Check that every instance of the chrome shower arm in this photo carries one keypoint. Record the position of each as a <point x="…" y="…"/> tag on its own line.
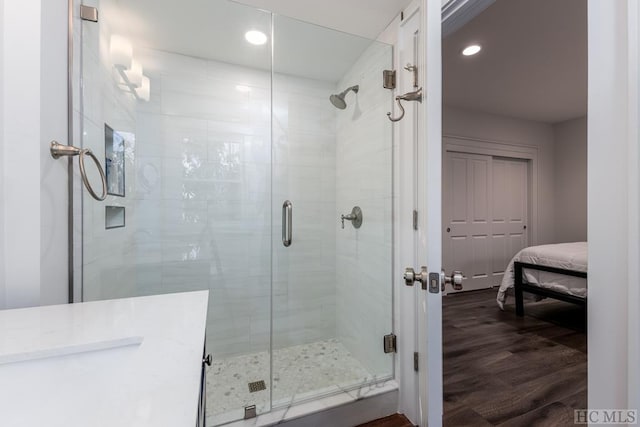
<point x="354" y="88"/>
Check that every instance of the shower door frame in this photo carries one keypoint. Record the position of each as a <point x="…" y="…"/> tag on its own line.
<point x="72" y="244"/>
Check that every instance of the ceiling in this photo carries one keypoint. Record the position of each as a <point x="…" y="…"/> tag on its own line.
<point x="214" y="29"/>
<point x="533" y="64"/>
<point x="366" y="18"/>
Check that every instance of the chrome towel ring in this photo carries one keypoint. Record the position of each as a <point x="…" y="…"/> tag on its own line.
<point x="58" y="150"/>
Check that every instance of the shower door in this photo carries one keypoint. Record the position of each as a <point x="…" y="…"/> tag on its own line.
<point x="176" y="103"/>
<point x="204" y="141"/>
<point x="332" y="283"/>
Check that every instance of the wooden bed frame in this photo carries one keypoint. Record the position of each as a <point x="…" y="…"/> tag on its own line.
<point x="520" y="286"/>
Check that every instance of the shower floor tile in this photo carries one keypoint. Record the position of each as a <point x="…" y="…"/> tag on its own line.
<point x="298" y="372"/>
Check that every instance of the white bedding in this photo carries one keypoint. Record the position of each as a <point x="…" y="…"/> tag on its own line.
<point x="568" y="256"/>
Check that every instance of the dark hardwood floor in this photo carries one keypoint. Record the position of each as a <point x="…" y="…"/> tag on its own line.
<point x="500" y="369"/>
<point x="397" y="420"/>
<point x="503" y="370"/>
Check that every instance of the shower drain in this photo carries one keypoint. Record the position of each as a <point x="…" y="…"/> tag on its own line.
<point x="257" y="386"/>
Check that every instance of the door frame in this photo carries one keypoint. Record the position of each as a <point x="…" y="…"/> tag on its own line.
<point x="613" y="181"/>
<point x="613" y="140"/>
<point x="405" y="307"/>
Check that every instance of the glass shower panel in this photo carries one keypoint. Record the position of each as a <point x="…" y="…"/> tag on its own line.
<point x="178" y="104"/>
<point x="332" y="287"/>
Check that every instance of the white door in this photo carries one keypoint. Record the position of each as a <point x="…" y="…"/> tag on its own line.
<point x="509" y="213"/>
<point x="429" y="207"/>
<point x="485" y="211"/>
<point x="467" y="217"/>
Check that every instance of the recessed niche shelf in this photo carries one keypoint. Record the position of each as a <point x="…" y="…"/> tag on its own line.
<point x="114" y="217"/>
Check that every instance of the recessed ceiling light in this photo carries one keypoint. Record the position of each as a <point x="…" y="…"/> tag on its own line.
<point x="471" y="49"/>
<point x="243" y="88"/>
<point x="256" y="37"/>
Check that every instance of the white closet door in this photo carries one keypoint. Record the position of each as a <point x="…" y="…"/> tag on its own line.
<point x="509" y="213"/>
<point x="485" y="214"/>
<point x="467" y="218"/>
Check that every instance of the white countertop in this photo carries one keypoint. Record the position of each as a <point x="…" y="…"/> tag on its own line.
<point x="127" y="362"/>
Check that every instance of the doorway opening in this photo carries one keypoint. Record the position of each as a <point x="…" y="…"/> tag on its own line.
<point x="514" y="155"/>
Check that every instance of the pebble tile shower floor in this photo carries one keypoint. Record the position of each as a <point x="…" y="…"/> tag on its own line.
<point x="298" y="371"/>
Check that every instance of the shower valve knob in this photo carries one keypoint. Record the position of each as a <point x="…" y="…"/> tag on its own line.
<point x="348" y="217"/>
<point x="355" y="217"/>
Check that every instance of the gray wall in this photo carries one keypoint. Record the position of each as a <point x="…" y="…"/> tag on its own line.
<point x="570" y="156"/>
<point x="489" y="127"/>
<point x="2" y="101"/>
<point x="33" y="186"/>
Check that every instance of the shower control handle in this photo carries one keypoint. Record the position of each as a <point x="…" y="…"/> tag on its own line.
<point x="348" y="217"/>
<point x="355" y="217"/>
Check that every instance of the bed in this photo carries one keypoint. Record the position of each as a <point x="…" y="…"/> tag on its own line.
<point x="556" y="271"/>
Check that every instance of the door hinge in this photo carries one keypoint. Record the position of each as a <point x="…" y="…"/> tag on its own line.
<point x="389" y="79"/>
<point x="415" y="219"/>
<point x="88" y="13"/>
<point x="390" y="343"/>
<point x="416" y="361"/>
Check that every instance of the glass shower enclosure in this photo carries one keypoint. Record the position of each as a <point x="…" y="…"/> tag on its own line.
<point x="230" y="169"/>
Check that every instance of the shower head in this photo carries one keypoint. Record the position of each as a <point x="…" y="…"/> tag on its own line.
<point x="338" y="100"/>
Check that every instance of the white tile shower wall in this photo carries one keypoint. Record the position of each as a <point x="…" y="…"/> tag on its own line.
<point x="198" y="195"/>
<point x="304" y="132"/>
<point x="364" y="178"/>
<point x="204" y="156"/>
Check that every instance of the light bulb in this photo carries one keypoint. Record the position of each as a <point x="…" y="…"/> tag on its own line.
<point x="256" y="37"/>
<point x="471" y="49"/>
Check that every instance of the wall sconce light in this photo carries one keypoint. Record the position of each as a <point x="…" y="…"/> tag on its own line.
<point x="121" y="51"/>
<point x="134" y="74"/>
<point x="130" y="70"/>
<point x="144" y="91"/>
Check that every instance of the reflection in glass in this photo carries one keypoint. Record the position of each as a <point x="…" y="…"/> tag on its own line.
<point x="114" y="161"/>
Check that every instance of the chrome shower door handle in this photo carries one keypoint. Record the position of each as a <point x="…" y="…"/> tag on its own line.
<point x="287" y="224"/>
